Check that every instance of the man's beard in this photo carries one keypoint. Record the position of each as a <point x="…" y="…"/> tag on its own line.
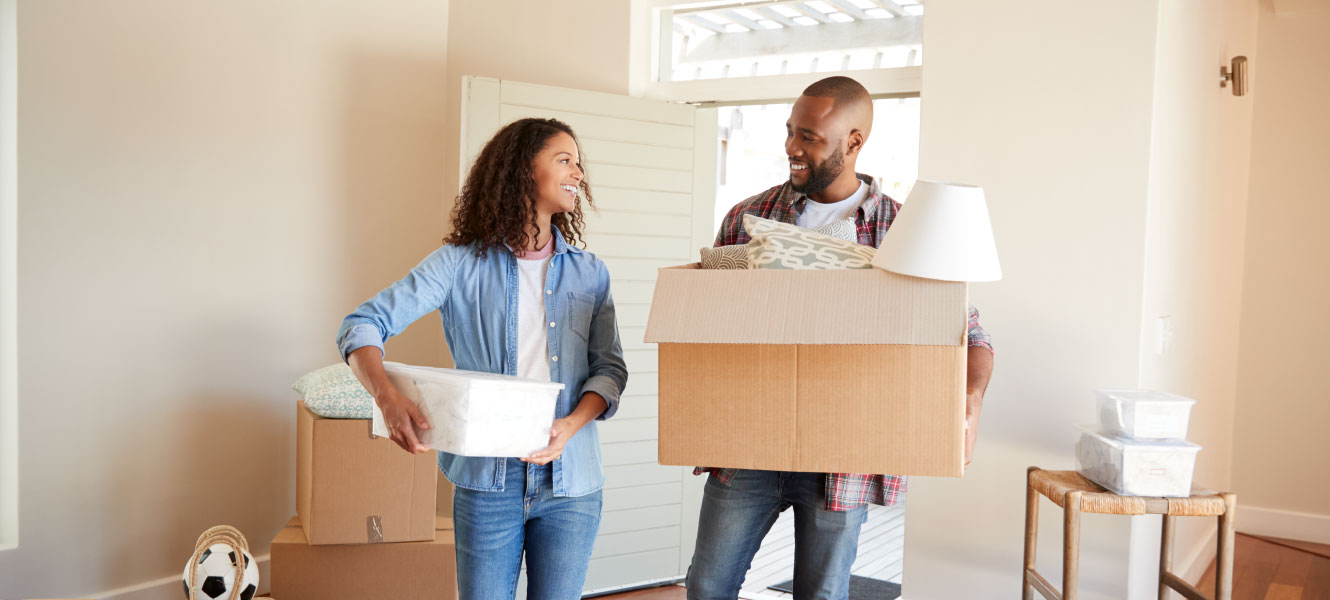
<point x="821" y="175"/>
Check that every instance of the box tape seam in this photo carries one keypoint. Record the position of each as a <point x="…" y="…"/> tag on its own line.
<point x="374" y="529"/>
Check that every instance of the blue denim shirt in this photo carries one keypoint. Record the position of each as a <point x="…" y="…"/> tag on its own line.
<point x="477" y="298"/>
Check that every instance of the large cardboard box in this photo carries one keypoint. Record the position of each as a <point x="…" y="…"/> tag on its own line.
<point x="844" y="371"/>
<point x="402" y="571"/>
<point x="354" y="488"/>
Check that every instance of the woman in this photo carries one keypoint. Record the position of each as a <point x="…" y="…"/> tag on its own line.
<point x="516" y="298"/>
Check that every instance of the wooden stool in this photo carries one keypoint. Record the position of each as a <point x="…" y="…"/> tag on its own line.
<point x="1076" y="494"/>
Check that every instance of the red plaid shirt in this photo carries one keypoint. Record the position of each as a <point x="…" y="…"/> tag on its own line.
<point x="844" y="491"/>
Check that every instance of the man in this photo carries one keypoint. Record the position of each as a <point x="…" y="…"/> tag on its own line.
<point x="827" y="129"/>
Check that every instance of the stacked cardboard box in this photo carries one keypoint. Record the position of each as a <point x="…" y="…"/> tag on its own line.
<point x="845" y="371"/>
<point x="366" y="525"/>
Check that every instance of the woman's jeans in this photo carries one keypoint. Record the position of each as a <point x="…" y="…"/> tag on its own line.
<point x="493" y="529"/>
<point x="735" y="518"/>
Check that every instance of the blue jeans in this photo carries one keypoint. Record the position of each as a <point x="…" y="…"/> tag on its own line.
<point x="493" y="529"/>
<point x="735" y="518"/>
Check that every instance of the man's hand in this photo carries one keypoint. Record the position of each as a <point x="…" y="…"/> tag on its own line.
<point x="979" y="367"/>
<point x="403" y="418"/>
<point x="560" y="432"/>
<point x="971" y="434"/>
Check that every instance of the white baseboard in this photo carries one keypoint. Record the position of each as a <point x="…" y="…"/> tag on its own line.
<point x="1307" y="527"/>
<point x="169" y="588"/>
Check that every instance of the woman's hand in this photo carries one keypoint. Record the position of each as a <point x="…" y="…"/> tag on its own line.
<point x="560" y="432"/>
<point x="403" y="418"/>
<point x="399" y="414"/>
<point x="588" y="408"/>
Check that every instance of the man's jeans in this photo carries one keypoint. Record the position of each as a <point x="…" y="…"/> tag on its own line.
<point x="735" y="518"/>
<point x="493" y="529"/>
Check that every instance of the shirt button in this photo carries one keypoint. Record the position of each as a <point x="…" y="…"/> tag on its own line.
<point x="548" y="292"/>
<point x="555" y="358"/>
<point x="551" y="323"/>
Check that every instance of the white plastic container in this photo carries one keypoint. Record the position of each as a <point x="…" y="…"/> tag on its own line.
<point x="1144" y="414"/>
<point x="476" y="414"/>
<point x="1136" y="468"/>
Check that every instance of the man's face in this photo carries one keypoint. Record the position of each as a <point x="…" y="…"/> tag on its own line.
<point x="813" y="142"/>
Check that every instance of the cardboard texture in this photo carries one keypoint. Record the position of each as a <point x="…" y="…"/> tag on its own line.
<point x="401" y="571"/>
<point x="844" y="371"/>
<point x="352" y="488"/>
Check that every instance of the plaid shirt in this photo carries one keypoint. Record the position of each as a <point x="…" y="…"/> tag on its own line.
<point x="844" y="491"/>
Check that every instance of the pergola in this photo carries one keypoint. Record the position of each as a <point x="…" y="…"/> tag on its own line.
<point x="732" y="40"/>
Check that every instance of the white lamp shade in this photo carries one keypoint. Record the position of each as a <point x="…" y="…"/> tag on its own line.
<point x="942" y="232"/>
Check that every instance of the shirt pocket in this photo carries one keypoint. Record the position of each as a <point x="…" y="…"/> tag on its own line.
<point x="577" y="314"/>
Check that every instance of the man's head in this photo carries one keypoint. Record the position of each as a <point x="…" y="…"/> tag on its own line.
<point x="827" y="128"/>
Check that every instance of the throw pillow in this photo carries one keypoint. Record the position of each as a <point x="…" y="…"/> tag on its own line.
<point x="334" y="392"/>
<point x="736" y="256"/>
<point x="777" y="245"/>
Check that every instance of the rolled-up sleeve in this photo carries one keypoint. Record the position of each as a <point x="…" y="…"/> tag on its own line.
<point x="975" y="332"/>
<point x="608" y="372"/>
<point x="424" y="289"/>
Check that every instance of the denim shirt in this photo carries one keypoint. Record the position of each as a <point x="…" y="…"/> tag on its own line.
<point x="477" y="298"/>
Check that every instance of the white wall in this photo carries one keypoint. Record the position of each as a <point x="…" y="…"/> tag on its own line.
<point x="1195" y="232"/>
<point x="205" y="190"/>
<point x="8" y="274"/>
<point x="1047" y="105"/>
<point x="1280" y="444"/>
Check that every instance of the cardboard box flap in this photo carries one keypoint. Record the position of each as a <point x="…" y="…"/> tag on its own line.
<point x="777" y="306"/>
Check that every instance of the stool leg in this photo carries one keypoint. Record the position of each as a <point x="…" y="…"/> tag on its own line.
<point x="1031" y="533"/>
<point x="1224" y="555"/>
<point x="1165" y="555"/>
<point x="1071" y="543"/>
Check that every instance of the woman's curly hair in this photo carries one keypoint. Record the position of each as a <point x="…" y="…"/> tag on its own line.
<point x="497" y="205"/>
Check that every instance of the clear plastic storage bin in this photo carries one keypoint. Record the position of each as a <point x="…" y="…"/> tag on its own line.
<point x="1136" y="468"/>
<point x="476" y="414"/>
<point x="1144" y="414"/>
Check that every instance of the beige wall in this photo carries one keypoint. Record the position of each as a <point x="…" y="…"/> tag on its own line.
<point x="1047" y="106"/>
<point x="1195" y="231"/>
<point x="1283" y="393"/>
<point x="206" y="189"/>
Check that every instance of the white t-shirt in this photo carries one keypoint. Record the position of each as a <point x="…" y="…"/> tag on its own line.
<point x="817" y="214"/>
<point x="533" y="357"/>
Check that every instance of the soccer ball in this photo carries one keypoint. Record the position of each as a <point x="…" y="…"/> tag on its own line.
<point x="216" y="574"/>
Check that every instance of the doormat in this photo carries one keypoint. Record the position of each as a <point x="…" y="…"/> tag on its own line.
<point x="861" y="588"/>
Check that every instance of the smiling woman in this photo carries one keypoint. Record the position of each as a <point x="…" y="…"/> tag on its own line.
<point x="513" y="253"/>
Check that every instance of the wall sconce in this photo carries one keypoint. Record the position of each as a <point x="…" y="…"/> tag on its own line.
<point x="1237" y="74"/>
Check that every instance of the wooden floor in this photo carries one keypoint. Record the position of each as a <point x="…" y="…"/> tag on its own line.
<point x="881" y="548"/>
<point x="1263" y="569"/>
<point x="1276" y="569"/>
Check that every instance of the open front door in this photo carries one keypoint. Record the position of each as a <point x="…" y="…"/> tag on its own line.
<point x="652" y="167"/>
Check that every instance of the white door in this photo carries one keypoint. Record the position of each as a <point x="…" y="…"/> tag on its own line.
<point x="652" y="168"/>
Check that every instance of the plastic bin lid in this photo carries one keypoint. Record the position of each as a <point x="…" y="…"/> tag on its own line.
<point x="473" y="378"/>
<point x="1144" y="396"/>
<point x="1126" y="442"/>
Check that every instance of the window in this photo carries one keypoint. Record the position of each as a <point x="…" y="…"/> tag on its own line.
<point x="781" y="37"/>
<point x="727" y="51"/>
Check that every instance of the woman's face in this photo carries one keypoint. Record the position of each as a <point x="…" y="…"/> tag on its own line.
<point x="558" y="173"/>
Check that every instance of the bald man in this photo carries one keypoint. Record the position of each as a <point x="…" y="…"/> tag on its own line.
<point x="827" y="129"/>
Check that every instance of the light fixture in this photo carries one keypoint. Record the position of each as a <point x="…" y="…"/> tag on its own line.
<point x="1237" y="74"/>
<point x="942" y="232"/>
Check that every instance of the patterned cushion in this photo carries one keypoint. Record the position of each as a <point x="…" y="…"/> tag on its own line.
<point x="736" y="256"/>
<point x="778" y="245"/>
<point x="335" y="393"/>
